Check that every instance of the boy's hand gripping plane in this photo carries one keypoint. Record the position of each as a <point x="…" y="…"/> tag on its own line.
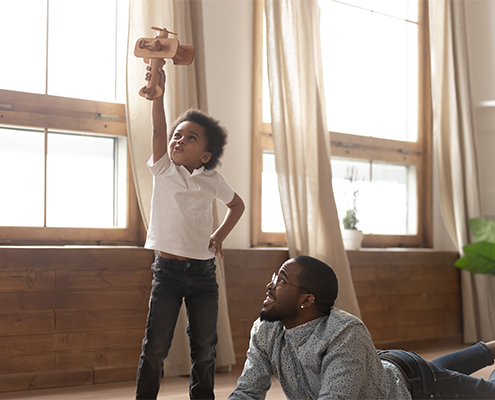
<point x="154" y="51"/>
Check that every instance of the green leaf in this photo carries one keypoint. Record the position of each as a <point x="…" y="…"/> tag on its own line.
<point x="464" y="263"/>
<point x="483" y="230"/>
<point x="482" y="256"/>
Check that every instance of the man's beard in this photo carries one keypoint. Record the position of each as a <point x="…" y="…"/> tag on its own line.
<point x="282" y="312"/>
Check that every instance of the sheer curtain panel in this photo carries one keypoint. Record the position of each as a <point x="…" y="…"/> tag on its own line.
<point x="301" y="139"/>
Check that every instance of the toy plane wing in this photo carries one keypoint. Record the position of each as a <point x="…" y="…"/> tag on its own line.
<point x="164" y="48"/>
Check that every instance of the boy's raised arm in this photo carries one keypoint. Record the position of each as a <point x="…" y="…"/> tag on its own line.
<point x="159" y="138"/>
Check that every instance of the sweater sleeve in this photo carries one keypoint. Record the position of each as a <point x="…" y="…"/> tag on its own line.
<point x="255" y="379"/>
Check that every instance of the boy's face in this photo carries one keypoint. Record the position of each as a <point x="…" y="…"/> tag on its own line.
<point x="188" y="146"/>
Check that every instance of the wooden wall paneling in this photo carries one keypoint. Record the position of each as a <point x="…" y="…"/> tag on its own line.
<point x="45" y="379"/>
<point x="102" y="278"/>
<point x="76" y="315"/>
<point x="66" y="312"/>
<point x="247" y="271"/>
<point x="74" y="300"/>
<point x="79" y="257"/>
<point x="115" y="373"/>
<point x="26" y="279"/>
<point x="408" y="298"/>
<point x="103" y="357"/>
<point x="19" y="323"/>
<point x="101" y="319"/>
<point x="32" y="363"/>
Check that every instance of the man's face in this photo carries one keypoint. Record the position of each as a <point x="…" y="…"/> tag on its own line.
<point x="282" y="297"/>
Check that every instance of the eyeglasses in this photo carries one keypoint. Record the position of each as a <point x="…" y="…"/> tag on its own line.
<point x="276" y="280"/>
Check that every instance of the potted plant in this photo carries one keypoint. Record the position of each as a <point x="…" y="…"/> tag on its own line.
<point x="479" y="256"/>
<point x="351" y="236"/>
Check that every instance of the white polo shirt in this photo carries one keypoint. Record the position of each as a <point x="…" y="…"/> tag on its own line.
<point x="181" y="219"/>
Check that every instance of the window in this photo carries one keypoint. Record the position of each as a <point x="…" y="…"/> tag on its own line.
<point x="378" y="114"/>
<point x="65" y="176"/>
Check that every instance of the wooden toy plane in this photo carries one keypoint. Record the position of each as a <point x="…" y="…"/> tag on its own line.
<point x="154" y="51"/>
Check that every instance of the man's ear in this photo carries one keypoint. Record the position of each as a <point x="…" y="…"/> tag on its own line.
<point x="309" y="299"/>
<point x="206" y="157"/>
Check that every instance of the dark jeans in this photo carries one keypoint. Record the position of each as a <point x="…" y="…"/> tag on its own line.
<point x="173" y="280"/>
<point x="448" y="377"/>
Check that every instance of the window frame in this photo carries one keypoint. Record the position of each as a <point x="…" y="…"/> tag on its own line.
<point x="47" y="112"/>
<point x="355" y="146"/>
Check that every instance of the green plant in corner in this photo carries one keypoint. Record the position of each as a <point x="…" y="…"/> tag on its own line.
<point x="479" y="256"/>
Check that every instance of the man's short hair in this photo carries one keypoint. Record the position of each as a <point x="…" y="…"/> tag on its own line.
<point x="216" y="134"/>
<point x="321" y="281"/>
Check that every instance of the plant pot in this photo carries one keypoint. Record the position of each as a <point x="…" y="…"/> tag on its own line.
<point x="352" y="239"/>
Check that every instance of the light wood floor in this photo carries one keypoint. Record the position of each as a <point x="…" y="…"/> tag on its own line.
<point x="177" y="388"/>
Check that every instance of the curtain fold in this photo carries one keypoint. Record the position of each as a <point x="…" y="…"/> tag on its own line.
<point x="455" y="150"/>
<point x="301" y="139"/>
<point x="185" y="88"/>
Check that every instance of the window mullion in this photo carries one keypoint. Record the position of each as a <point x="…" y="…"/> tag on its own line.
<point x="47" y="44"/>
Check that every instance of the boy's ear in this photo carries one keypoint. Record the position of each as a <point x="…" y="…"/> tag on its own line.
<point x="206" y="157"/>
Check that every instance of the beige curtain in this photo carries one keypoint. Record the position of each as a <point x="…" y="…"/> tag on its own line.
<point x="185" y="87"/>
<point x="455" y="151"/>
<point x="301" y="139"/>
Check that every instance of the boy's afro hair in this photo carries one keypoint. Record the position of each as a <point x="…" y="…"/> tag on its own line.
<point x="216" y="134"/>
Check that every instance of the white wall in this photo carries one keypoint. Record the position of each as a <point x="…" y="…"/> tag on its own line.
<point x="480" y="28"/>
<point x="228" y="27"/>
<point x="480" y="18"/>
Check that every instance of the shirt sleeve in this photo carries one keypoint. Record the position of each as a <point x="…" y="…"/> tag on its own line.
<point x="160" y="165"/>
<point x="255" y="379"/>
<point x="347" y="364"/>
<point x="224" y="193"/>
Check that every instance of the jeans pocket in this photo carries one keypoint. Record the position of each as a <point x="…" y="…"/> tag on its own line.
<point x="440" y="374"/>
<point x="210" y="271"/>
<point x="158" y="270"/>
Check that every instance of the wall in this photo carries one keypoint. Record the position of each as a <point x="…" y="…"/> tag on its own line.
<point x="480" y="15"/>
<point x="409" y="299"/>
<point x="480" y="30"/>
<point x="76" y="315"/>
<point x="71" y="315"/>
<point x="228" y="39"/>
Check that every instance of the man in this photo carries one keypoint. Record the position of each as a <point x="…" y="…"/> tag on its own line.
<point x="317" y="351"/>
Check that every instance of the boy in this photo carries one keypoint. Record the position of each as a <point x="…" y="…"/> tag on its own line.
<point x="184" y="187"/>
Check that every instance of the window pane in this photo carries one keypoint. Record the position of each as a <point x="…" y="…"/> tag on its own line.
<point x="393" y="209"/>
<point x="370" y="72"/>
<point x="386" y="195"/>
<point x="83" y="49"/>
<point x="23" y="33"/>
<point x="81" y="181"/>
<point x="21" y="177"/>
<point x="272" y="219"/>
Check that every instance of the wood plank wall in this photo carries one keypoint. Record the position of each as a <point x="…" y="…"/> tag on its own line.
<point x="409" y="299"/>
<point x="76" y="315"/>
<point x="71" y="316"/>
<point x="247" y="272"/>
